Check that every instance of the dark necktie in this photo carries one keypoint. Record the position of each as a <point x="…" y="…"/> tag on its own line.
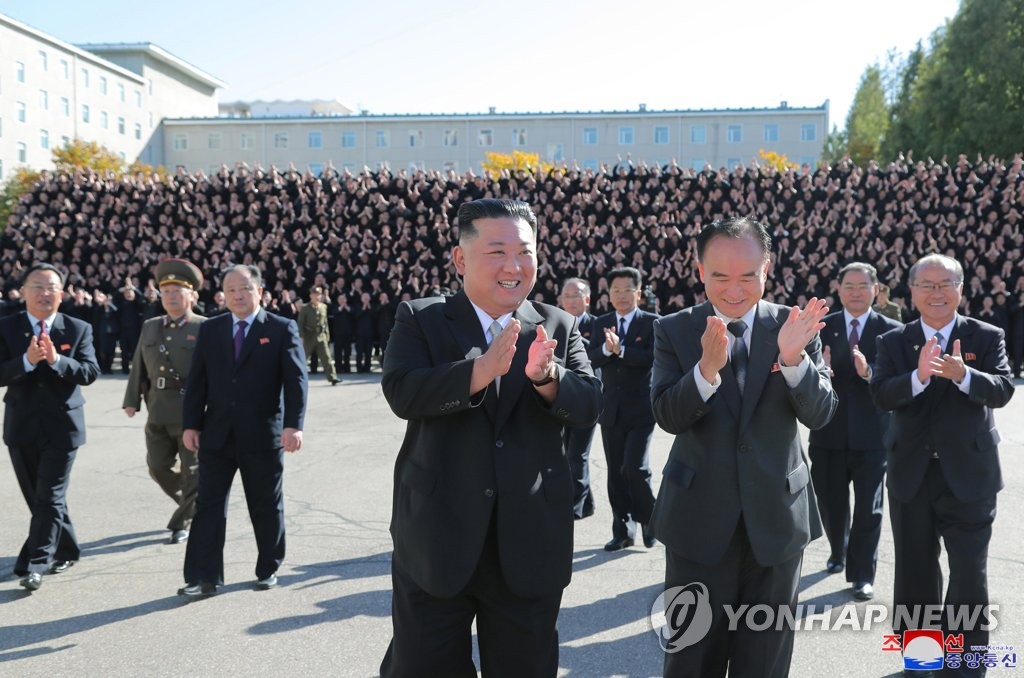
<point x="42" y="328"/>
<point x="854" y="334"/>
<point x="622" y="329"/>
<point x="738" y="356"/>
<point x="940" y="341"/>
<point x="239" y="338"/>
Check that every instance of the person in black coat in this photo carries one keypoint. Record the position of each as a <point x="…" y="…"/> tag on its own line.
<point x="129" y="321"/>
<point x="105" y="330"/>
<point x="365" y="332"/>
<point x="342" y="331"/>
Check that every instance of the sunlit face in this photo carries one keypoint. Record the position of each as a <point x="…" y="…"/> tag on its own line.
<point x="241" y="294"/>
<point x="176" y="299"/>
<point x="624" y="293"/>
<point x="936" y="293"/>
<point x="734" y="271"/>
<point x="857" y="292"/>
<point x="498" y="265"/>
<point x="43" y="293"/>
<point x="573" y="299"/>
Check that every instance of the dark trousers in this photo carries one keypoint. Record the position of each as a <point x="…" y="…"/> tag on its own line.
<point x="736" y="580"/>
<point x="854" y="542"/>
<point x="626" y="450"/>
<point x="128" y="344"/>
<point x="433" y="636"/>
<point x="174" y="468"/>
<point x="261" y="472"/>
<point x="577" y="443"/>
<point x="343" y="353"/>
<point x="364" y="353"/>
<point x="965" y="529"/>
<point x="43" y="475"/>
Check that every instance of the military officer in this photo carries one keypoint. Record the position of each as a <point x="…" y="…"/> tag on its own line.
<point x="313" y="330"/>
<point x="158" y="373"/>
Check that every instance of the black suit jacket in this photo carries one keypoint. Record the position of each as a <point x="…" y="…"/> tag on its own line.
<point x="466" y="456"/>
<point x="585" y="325"/>
<point x="253" y="399"/>
<point x="942" y="419"/>
<point x="858" y="424"/>
<point x="627" y="380"/>
<point x="733" y="455"/>
<point x="45" y="405"/>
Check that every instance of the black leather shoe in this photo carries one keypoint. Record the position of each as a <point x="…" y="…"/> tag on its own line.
<point x="197" y="591"/>
<point x="334" y="382"/>
<point x="648" y="534"/>
<point x="32" y="581"/>
<point x="834" y="566"/>
<point x="863" y="590"/>
<point x="617" y="544"/>
<point x="266" y="583"/>
<point x="58" y="566"/>
<point x="178" y="536"/>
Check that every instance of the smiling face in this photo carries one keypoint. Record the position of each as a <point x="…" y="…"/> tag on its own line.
<point x="42" y="293"/>
<point x="498" y="264"/>
<point x="734" y="271"/>
<point x="936" y="292"/>
<point x="857" y="292"/>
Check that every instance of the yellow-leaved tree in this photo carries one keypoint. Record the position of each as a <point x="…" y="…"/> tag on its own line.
<point x="496" y="163"/>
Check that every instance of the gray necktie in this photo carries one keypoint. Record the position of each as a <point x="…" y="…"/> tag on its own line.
<point x="738" y="356"/>
<point x="940" y="341"/>
<point x="493" y="331"/>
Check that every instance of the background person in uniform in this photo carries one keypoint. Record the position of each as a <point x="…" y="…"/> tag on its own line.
<point x="482" y="518"/>
<point x="849" y="448"/>
<point x="941" y="377"/>
<point x="624" y="351"/>
<point x="736" y="507"/>
<point x="315" y="332"/>
<point x="159" y="371"/>
<point x="575" y="300"/>
<point x="886" y="306"/>
<point x="45" y="359"/>
<point x="245" y="402"/>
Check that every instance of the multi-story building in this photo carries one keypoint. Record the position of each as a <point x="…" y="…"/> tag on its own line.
<point x="117" y="95"/>
<point x="721" y="138"/>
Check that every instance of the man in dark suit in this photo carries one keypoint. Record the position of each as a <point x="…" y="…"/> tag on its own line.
<point x="342" y="328"/>
<point x="575" y="300"/>
<point x="941" y="377"/>
<point x="624" y="352"/>
<point x="246" y="398"/>
<point x="733" y="379"/>
<point x="45" y="357"/>
<point x="849" y="448"/>
<point x="482" y="515"/>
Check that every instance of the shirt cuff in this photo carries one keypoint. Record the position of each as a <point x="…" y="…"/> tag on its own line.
<point x="794" y="373"/>
<point x="916" y="386"/>
<point x="705" y="388"/>
<point x="24" y="361"/>
<point x="965" y="385"/>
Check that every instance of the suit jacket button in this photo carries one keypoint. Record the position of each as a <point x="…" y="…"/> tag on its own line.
<point x="562" y="413"/>
<point x="744" y="448"/>
<point x="488" y="492"/>
<point x="499" y="443"/>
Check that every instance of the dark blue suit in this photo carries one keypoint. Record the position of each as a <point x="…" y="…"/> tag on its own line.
<point x="577" y="445"/>
<point x="44" y="424"/>
<point x="241" y="408"/>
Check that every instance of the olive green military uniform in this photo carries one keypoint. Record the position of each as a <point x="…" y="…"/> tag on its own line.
<point x="889" y="309"/>
<point x="316" y="337"/>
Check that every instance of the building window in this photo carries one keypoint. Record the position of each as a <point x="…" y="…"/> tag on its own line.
<point x="417" y="166"/>
<point x="450" y="137"/>
<point x="381" y="139"/>
<point x="213" y="141"/>
<point x="245" y="142"/>
<point x="734" y="134"/>
<point x="120" y="91"/>
<point x="519" y="137"/>
<point x="316" y="140"/>
<point x="808" y="132"/>
<point x="65" y="69"/>
<point x="138" y="99"/>
<point x="21" y="111"/>
<point x="151" y="120"/>
<point x="280" y="140"/>
<point x="103" y="84"/>
<point x="732" y="163"/>
<point x="316" y="168"/>
<point x="771" y="132"/>
<point x="120" y="125"/>
<point x="65" y="141"/>
<point x="85" y="78"/>
<point x="590" y="164"/>
<point x="44" y="100"/>
<point x="699" y="135"/>
<point x="104" y="119"/>
<point x="697" y="164"/>
<point x="556" y="153"/>
<point x="661" y="135"/>
<point x="485" y="137"/>
<point x="19" y="71"/>
<point x="590" y="136"/>
<point x="138" y="131"/>
<point x="180" y="142"/>
<point x="85" y="112"/>
<point x="415" y="138"/>
<point x="625" y="136"/>
<point x="348" y="139"/>
<point x="65" y="107"/>
<point x="22" y="152"/>
<point x="44" y="140"/>
<point x="43" y="60"/>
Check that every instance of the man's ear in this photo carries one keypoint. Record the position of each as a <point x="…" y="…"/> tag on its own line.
<point x="459" y="259"/>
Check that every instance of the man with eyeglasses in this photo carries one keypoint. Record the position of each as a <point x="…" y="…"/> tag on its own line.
<point x="45" y="359"/>
<point x="941" y="377"/>
<point x="849" y="448"/>
<point x="623" y="350"/>
<point x="575" y="299"/>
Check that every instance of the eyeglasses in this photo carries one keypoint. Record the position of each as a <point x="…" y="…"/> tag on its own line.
<point x="52" y="289"/>
<point x="631" y="290"/>
<point x="862" y="287"/>
<point x="945" y="285"/>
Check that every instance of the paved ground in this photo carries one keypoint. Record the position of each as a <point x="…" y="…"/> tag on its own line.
<point x="116" y="613"/>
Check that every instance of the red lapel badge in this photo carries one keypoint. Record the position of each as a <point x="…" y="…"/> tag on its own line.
<point x="970" y="357"/>
<point x="264" y="340"/>
<point x="776" y="367"/>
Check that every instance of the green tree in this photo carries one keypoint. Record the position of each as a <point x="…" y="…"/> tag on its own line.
<point x="836" y="147"/>
<point x="868" y="120"/>
<point x="22" y="180"/>
<point x="903" y="135"/>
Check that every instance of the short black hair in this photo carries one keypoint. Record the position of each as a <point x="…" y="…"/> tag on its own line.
<point x="493" y="208"/>
<point x="735" y="227"/>
<point x="626" y="272"/>
<point x="870" y="270"/>
<point x="251" y="271"/>
<point x="42" y="266"/>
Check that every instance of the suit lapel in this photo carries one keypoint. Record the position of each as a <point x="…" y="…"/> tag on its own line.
<point x="469" y="337"/>
<point x="764" y="350"/>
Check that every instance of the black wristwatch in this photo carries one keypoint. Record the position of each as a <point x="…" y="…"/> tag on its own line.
<point x="546" y="380"/>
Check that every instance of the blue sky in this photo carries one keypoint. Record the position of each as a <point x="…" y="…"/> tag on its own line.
<point x="397" y="56"/>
